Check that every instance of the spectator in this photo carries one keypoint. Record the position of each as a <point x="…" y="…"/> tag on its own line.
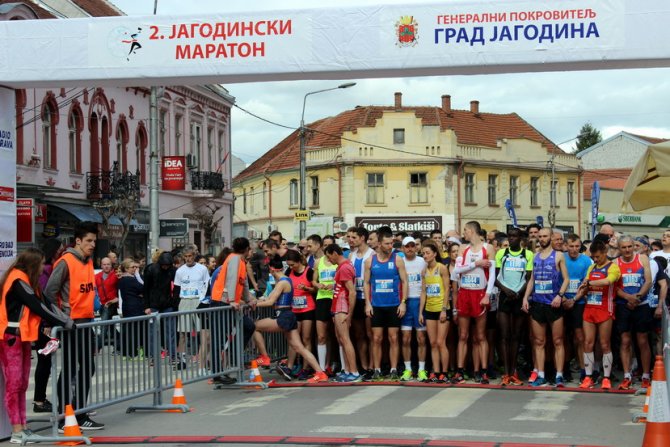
<point x="132" y="305"/>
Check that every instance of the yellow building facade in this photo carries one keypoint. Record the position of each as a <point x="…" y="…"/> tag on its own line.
<point x="412" y="168"/>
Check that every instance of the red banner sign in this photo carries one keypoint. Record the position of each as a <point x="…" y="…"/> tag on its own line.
<point x="174" y="173"/>
<point x="40" y="213"/>
<point x="24" y="220"/>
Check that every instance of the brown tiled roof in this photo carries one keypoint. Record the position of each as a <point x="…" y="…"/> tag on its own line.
<point x="481" y="129"/>
<point x="651" y="140"/>
<point x="98" y="8"/>
<point x="606" y="178"/>
<point x="39" y="11"/>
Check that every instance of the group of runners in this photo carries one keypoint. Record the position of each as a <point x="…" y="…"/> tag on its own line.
<point x="404" y="307"/>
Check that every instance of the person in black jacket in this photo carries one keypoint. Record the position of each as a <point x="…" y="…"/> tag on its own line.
<point x="132" y="305"/>
<point x="159" y="297"/>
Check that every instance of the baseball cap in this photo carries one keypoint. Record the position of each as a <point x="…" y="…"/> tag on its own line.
<point x="408" y="240"/>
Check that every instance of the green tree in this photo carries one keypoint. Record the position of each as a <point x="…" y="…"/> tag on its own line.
<point x="588" y="136"/>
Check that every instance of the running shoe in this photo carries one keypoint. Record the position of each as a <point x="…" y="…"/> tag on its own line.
<point x="432" y="378"/>
<point x="329" y="372"/>
<point x="442" y="378"/>
<point x="43" y="407"/>
<point x="263" y="361"/>
<point x="491" y="372"/>
<point x="318" y="377"/>
<point x="607" y="384"/>
<point x="367" y="375"/>
<point x="514" y="380"/>
<point x="540" y="381"/>
<point x="351" y="378"/>
<point x="626" y="384"/>
<point x="587" y="383"/>
<point x="296" y="370"/>
<point x="422" y="375"/>
<point x="224" y="380"/>
<point x="17" y="438"/>
<point x="458" y="378"/>
<point x="303" y="375"/>
<point x="376" y="377"/>
<point x="284" y="371"/>
<point x="505" y="380"/>
<point x="559" y="382"/>
<point x="89" y="424"/>
<point x="394" y="377"/>
<point x="646" y="383"/>
<point x="484" y="379"/>
<point x="478" y="377"/>
<point x="533" y="377"/>
<point x="406" y="375"/>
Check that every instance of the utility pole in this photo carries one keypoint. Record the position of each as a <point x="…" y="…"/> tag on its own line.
<point x="153" y="165"/>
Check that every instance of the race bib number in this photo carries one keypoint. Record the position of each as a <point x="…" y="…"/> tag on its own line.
<point x="359" y="284"/>
<point x="471" y="281"/>
<point x="594" y="298"/>
<point x="299" y="302"/>
<point x="414" y="277"/>
<point x="433" y="290"/>
<point x="326" y="275"/>
<point x="384" y="285"/>
<point x="652" y="299"/>
<point x="515" y="265"/>
<point x="631" y="280"/>
<point x="573" y="285"/>
<point x="544" y="287"/>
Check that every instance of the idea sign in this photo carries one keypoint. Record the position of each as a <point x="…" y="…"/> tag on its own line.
<point x="174" y="173"/>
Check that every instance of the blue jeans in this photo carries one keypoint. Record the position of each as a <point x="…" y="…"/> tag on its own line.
<point x="109" y="335"/>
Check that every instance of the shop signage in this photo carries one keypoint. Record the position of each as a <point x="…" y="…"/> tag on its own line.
<point x="408" y="224"/>
<point x="41" y="213"/>
<point x="174" y="173"/>
<point x="173" y="227"/>
<point x="24" y="220"/>
<point x="632" y="219"/>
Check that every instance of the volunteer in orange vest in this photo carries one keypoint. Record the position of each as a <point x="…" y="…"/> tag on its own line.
<point x="21" y="312"/>
<point x="231" y="288"/>
<point x="72" y="287"/>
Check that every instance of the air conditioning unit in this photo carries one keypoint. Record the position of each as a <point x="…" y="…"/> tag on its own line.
<point x="191" y="161"/>
<point x="340" y="227"/>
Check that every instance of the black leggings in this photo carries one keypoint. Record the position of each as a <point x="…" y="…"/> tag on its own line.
<point x="42" y="370"/>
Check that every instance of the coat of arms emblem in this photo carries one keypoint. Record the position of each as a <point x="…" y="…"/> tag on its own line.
<point x="407" y="31"/>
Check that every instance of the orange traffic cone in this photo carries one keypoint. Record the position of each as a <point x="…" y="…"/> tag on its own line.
<point x="178" y="398"/>
<point x="645" y="407"/>
<point x="255" y="375"/>
<point x="71" y="427"/>
<point x="657" y="431"/>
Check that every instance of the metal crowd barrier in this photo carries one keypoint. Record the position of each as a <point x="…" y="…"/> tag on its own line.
<point x="665" y="328"/>
<point x="105" y="363"/>
<point x="275" y="343"/>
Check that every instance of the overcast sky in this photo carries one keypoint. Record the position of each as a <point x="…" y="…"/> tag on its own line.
<point x="557" y="104"/>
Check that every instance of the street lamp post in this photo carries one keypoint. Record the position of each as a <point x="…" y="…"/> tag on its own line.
<point x="303" y="161"/>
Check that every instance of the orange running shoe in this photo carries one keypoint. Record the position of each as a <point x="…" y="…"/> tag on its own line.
<point x="625" y="385"/>
<point x="505" y="380"/>
<point x="607" y="385"/>
<point x="646" y="383"/>
<point x="587" y="383"/>
<point x="533" y="377"/>
<point x="514" y="380"/>
<point x="263" y="361"/>
<point x="318" y="377"/>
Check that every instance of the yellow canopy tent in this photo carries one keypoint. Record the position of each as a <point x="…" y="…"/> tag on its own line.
<point x="649" y="183"/>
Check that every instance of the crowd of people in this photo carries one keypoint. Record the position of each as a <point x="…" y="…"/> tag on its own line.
<point x="531" y="306"/>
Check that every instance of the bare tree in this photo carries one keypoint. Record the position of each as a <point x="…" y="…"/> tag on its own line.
<point x="205" y="215"/>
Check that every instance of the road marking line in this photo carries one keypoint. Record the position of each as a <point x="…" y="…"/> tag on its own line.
<point x="449" y="403"/>
<point x="433" y="433"/>
<point x="358" y="400"/>
<point x="545" y="406"/>
<point x="257" y="401"/>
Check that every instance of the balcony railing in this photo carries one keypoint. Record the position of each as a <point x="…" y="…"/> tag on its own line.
<point x="106" y="185"/>
<point x="209" y="181"/>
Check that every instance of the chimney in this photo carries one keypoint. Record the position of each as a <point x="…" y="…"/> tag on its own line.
<point x="398" y="100"/>
<point x="474" y="107"/>
<point x="446" y="103"/>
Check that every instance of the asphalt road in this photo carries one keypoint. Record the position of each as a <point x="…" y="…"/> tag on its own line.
<point x="541" y="417"/>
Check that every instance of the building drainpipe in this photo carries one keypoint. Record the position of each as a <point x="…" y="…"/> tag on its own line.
<point x="579" y="204"/>
<point x="459" y="174"/>
<point x="269" y="195"/>
<point x="338" y="164"/>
